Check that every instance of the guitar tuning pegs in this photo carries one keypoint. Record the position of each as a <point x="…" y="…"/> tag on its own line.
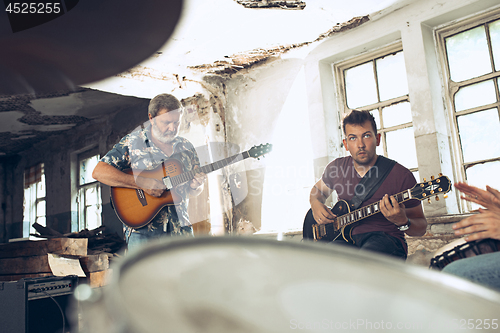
<point x="432" y="177"/>
<point x="425" y="180"/>
<point x="445" y="196"/>
<point x="440" y="174"/>
<point x="429" y="200"/>
<point x="437" y="198"/>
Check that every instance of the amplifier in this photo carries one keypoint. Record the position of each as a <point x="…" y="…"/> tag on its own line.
<point x="36" y="305"/>
<point x="42" y="288"/>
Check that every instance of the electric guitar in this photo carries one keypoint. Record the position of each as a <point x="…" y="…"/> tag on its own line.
<point x="344" y="222"/>
<point x="135" y="208"/>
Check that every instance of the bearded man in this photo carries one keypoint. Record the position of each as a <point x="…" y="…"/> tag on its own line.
<point x="147" y="148"/>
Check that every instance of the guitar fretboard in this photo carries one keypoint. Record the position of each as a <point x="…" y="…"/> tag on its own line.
<point x="365" y="211"/>
<point x="189" y="175"/>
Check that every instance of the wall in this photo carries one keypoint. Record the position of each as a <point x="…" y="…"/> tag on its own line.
<point x="268" y="105"/>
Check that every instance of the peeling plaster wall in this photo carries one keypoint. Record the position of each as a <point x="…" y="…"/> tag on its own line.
<point x="9" y="197"/>
<point x="261" y="112"/>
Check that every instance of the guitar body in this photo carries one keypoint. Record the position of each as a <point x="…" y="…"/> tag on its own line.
<point x="340" y="208"/>
<point x="136" y="208"/>
<point x="346" y="218"/>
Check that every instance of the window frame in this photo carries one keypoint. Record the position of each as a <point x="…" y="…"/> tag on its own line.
<point x="82" y="188"/>
<point x="451" y="88"/>
<point x="34" y="200"/>
<point x="359" y="59"/>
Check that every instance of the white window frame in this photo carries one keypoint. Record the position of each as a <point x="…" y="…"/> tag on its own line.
<point x="451" y="87"/>
<point x="31" y="202"/>
<point x="81" y="192"/>
<point x="339" y="69"/>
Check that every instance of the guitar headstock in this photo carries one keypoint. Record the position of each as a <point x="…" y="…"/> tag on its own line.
<point x="433" y="187"/>
<point x="258" y="151"/>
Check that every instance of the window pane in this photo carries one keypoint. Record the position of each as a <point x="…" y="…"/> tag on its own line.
<point x="40" y="187"/>
<point x="480" y="175"/>
<point x="40" y="220"/>
<point x="360" y="86"/>
<point x="476" y="132"/>
<point x="396" y="114"/>
<point x="468" y="54"/>
<point x="478" y="94"/>
<point x="391" y="74"/>
<point x="375" y="115"/>
<point x="380" y="147"/>
<point x="40" y="208"/>
<point x="416" y="174"/>
<point x="86" y="167"/>
<point x="401" y="147"/>
<point x="93" y="217"/>
<point x="91" y="196"/>
<point x="495" y="42"/>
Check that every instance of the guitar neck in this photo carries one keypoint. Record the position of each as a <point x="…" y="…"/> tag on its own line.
<point x="189" y="175"/>
<point x="366" y="211"/>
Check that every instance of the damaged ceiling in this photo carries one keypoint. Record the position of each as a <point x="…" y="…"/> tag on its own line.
<point x="290" y="4"/>
<point x="28" y="118"/>
<point x="244" y="60"/>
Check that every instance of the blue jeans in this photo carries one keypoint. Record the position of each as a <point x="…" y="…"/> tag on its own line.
<point x="141" y="236"/>
<point x="483" y="269"/>
<point x="377" y="241"/>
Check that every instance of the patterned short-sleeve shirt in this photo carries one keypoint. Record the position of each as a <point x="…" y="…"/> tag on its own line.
<point x="138" y="152"/>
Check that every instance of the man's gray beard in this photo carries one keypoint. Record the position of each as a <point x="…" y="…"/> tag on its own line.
<point x="160" y="137"/>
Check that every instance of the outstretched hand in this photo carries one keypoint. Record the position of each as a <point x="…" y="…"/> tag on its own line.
<point x="489" y="199"/>
<point x="486" y="224"/>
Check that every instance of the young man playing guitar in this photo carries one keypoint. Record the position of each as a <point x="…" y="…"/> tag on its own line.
<point x="146" y="149"/>
<point x="383" y="233"/>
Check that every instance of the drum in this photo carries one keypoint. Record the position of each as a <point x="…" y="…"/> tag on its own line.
<point x="459" y="249"/>
<point x="248" y="284"/>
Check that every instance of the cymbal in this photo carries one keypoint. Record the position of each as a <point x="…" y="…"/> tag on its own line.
<point x="86" y="42"/>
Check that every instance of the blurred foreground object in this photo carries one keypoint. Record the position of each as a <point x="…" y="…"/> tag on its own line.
<point x="246" y="284"/>
<point x="90" y="41"/>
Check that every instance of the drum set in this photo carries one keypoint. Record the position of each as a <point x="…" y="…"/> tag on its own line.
<point x="460" y="249"/>
<point x="251" y="284"/>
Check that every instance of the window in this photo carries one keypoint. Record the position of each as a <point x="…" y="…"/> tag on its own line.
<point x="471" y="55"/>
<point x="88" y="198"/>
<point x="34" y="199"/>
<point x="378" y="83"/>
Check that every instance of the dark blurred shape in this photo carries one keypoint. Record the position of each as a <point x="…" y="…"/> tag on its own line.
<point x="27" y="15"/>
<point x="93" y="41"/>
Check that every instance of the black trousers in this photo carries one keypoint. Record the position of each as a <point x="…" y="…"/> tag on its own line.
<point x="376" y="241"/>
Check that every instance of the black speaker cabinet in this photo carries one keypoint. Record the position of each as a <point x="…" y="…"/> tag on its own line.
<point x="36" y="305"/>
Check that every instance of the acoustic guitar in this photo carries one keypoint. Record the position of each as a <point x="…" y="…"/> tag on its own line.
<point x="135" y="208"/>
<point x="344" y="222"/>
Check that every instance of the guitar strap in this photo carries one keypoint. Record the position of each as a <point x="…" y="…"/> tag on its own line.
<point x="372" y="180"/>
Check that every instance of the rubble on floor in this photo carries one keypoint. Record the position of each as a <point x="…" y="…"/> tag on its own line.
<point x="54" y="253"/>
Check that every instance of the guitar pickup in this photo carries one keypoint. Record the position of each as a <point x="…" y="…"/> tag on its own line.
<point x="167" y="182"/>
